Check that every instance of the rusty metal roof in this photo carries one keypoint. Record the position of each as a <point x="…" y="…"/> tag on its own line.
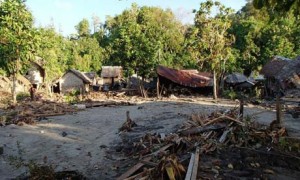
<point x="185" y="78"/>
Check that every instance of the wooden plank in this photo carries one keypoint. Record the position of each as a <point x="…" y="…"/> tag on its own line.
<point x="133" y="169"/>
<point x="190" y="167"/>
<point x="196" y="162"/>
<point x="141" y="164"/>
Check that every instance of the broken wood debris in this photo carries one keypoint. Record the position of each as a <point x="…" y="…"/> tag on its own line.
<point x="179" y="153"/>
<point x="30" y="112"/>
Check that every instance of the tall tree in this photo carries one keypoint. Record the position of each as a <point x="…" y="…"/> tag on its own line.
<point x="247" y="27"/>
<point x="142" y="38"/>
<point x="85" y="54"/>
<point x="17" y="37"/>
<point x="54" y="52"/>
<point x="213" y="40"/>
<point x="279" y="6"/>
<point x="83" y="28"/>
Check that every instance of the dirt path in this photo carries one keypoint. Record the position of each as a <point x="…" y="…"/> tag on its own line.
<point x="80" y="141"/>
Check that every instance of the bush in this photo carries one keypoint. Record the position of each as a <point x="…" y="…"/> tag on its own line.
<point x="231" y="94"/>
<point x="22" y="96"/>
<point x="72" y="97"/>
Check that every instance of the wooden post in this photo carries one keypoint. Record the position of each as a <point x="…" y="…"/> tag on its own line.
<point x="242" y="108"/>
<point x="278" y="110"/>
<point x="157" y="87"/>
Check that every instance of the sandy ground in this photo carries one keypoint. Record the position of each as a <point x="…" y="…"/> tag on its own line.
<point x="81" y="141"/>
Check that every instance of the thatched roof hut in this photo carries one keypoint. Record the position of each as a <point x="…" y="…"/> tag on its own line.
<point x="74" y="80"/>
<point x="235" y="78"/>
<point x="282" y="73"/>
<point x="281" y="68"/>
<point x="111" y="71"/>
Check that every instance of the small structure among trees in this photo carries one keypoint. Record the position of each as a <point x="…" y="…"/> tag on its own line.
<point x="281" y="74"/>
<point x="111" y="75"/>
<point x="36" y="74"/>
<point x="74" y="80"/>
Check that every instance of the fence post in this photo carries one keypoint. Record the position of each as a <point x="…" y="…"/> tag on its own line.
<point x="242" y="108"/>
<point x="278" y="110"/>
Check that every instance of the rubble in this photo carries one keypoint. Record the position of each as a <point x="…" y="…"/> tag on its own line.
<point x="200" y="139"/>
<point x="30" y="112"/>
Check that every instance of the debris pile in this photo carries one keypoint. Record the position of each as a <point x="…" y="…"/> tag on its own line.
<point x="31" y="111"/>
<point x="206" y="138"/>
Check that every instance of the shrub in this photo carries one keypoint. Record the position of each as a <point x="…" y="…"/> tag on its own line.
<point x="22" y="96"/>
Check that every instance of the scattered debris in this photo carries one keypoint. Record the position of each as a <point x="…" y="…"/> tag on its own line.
<point x="206" y="136"/>
<point x="31" y="111"/>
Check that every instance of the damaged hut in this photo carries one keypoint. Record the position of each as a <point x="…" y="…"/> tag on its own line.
<point x="111" y="76"/>
<point x="36" y="73"/>
<point x="238" y="81"/>
<point x="184" y="78"/>
<point x="282" y="74"/>
<point x="74" y="80"/>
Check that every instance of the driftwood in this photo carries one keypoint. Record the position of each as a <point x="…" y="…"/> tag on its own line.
<point x="197" y="130"/>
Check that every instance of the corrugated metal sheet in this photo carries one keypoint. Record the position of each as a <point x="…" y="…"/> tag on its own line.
<point x="111" y="71"/>
<point x="185" y="78"/>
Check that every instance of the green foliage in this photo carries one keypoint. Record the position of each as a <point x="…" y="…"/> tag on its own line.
<point x="72" y="97"/>
<point x="230" y="93"/>
<point x="85" y="54"/>
<point x="22" y="96"/>
<point x="83" y="28"/>
<point x="279" y="6"/>
<point x="17" y="37"/>
<point x="213" y="40"/>
<point x="53" y="51"/>
<point x="142" y="38"/>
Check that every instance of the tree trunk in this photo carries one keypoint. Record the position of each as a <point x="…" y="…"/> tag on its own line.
<point x="215" y="85"/>
<point x="14" y="88"/>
